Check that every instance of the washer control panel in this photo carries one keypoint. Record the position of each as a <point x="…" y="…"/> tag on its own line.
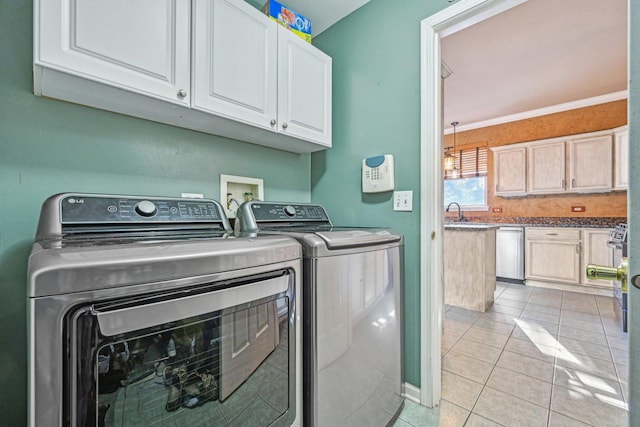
<point x="77" y="209"/>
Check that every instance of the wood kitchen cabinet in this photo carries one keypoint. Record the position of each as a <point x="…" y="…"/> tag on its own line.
<point x="509" y="169"/>
<point x="216" y="66"/>
<point x="591" y="164"/>
<point x="546" y="172"/>
<point x="553" y="254"/>
<point x="596" y="251"/>
<point x="556" y="255"/>
<point x="470" y="279"/>
<point x="621" y="158"/>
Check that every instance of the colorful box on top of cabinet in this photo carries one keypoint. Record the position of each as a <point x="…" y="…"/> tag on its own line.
<point x="288" y="18"/>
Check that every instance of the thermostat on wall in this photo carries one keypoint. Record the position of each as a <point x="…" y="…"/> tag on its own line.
<point x="377" y="174"/>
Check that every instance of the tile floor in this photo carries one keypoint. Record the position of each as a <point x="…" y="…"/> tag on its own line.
<point x="538" y="357"/>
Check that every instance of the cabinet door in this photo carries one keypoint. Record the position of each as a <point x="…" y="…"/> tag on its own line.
<point x="590" y="164"/>
<point x="141" y="46"/>
<point x="509" y="168"/>
<point x="553" y="260"/>
<point x="546" y="168"/>
<point x="621" y="161"/>
<point x="235" y="62"/>
<point x="596" y="251"/>
<point x="304" y="89"/>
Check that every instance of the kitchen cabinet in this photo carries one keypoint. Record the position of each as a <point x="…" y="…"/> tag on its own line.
<point x="560" y="255"/>
<point x="546" y="172"/>
<point x="216" y="66"/>
<point x="588" y="159"/>
<point x="469" y="278"/>
<point x="590" y="164"/>
<point x="621" y="158"/>
<point x="509" y="167"/>
<point x="553" y="254"/>
<point x="596" y="251"/>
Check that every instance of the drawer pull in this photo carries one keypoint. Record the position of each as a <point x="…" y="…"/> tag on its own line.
<point x="552" y="234"/>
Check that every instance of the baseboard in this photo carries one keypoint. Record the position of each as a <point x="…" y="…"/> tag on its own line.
<point x="510" y="280"/>
<point x="607" y="292"/>
<point x="411" y="392"/>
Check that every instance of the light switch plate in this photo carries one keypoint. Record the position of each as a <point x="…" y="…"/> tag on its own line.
<point x="403" y="201"/>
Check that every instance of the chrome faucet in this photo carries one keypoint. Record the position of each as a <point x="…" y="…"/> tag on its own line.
<point x="461" y="217"/>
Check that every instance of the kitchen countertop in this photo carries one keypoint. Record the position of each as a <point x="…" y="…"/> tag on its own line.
<point x="571" y="222"/>
<point x="470" y="226"/>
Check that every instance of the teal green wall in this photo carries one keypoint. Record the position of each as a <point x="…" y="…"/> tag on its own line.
<point x="48" y="146"/>
<point x="376" y="106"/>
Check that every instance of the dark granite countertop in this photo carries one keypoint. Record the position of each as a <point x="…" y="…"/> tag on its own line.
<point x="573" y="222"/>
<point x="470" y="226"/>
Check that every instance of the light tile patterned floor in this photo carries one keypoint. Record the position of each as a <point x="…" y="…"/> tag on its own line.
<point x="538" y="357"/>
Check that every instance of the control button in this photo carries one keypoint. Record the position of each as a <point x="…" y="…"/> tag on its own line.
<point x="146" y="208"/>
<point x="173" y="210"/>
<point x="112" y="208"/>
<point x="290" y="210"/>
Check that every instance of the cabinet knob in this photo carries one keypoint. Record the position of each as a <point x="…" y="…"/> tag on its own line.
<point x="182" y="93"/>
<point x="285" y="125"/>
<point x="273" y="122"/>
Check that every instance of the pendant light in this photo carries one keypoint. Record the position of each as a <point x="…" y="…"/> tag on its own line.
<point x="449" y="158"/>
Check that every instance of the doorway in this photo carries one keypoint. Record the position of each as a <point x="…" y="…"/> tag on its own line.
<point x="453" y="19"/>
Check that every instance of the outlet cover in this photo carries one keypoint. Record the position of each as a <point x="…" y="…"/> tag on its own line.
<point x="496" y="210"/>
<point x="577" y="209"/>
<point x="403" y="201"/>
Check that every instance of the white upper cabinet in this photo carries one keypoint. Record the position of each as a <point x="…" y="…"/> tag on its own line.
<point x="590" y="164"/>
<point x="509" y="170"/>
<point x="235" y="65"/>
<point x="546" y="173"/>
<point x="572" y="164"/>
<point x="216" y="66"/>
<point x="141" y="46"/>
<point x="304" y="89"/>
<point x="621" y="158"/>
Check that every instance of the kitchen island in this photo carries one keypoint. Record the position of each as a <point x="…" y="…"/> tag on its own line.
<point x="469" y="265"/>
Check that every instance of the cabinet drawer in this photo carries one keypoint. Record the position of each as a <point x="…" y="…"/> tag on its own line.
<point x="552" y="233"/>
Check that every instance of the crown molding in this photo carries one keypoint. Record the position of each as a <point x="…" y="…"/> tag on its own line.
<point x="587" y="102"/>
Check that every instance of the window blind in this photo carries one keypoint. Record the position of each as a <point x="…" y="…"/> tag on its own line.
<point x="469" y="162"/>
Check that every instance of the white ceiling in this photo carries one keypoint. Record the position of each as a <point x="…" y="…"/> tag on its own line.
<point x="539" y="54"/>
<point x="536" y="55"/>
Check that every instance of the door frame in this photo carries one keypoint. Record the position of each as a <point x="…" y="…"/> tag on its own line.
<point x="448" y="21"/>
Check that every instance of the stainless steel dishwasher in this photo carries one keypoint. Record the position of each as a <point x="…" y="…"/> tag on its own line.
<point x="510" y="254"/>
<point x="352" y="280"/>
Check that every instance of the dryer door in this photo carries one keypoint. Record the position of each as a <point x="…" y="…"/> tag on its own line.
<point x="211" y="354"/>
